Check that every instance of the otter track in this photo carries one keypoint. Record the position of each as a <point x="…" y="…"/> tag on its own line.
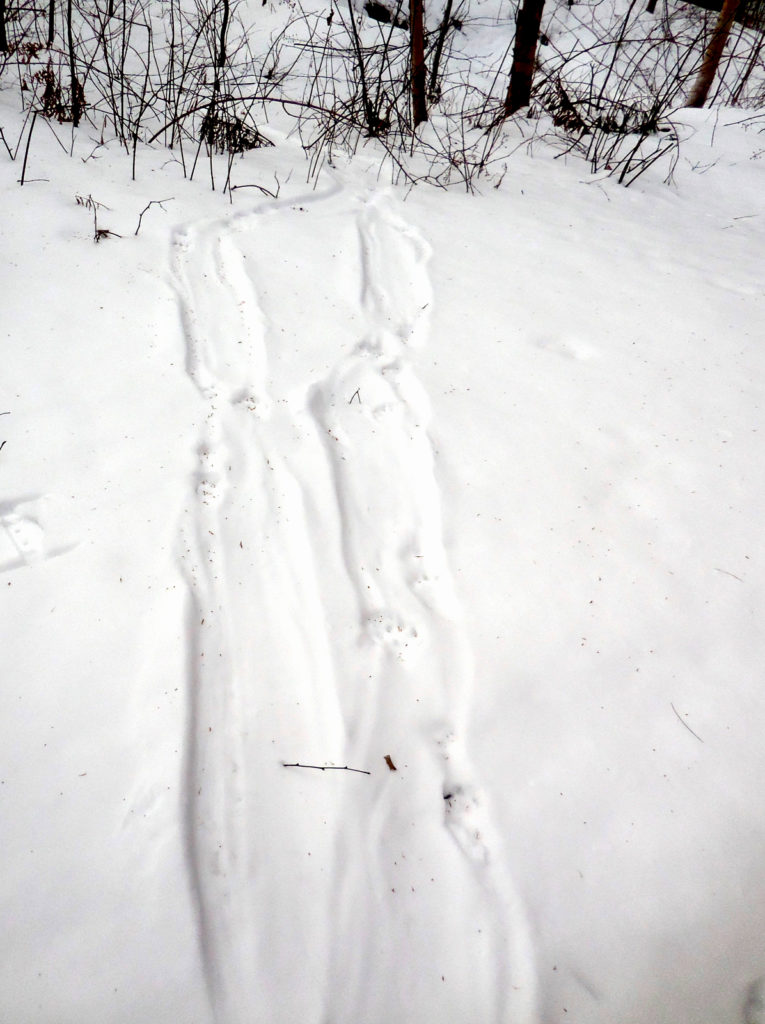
<point x="410" y="912"/>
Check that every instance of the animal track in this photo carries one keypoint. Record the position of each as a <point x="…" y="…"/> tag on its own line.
<point x="265" y="644"/>
<point x="388" y="631"/>
<point x="24" y="533"/>
<point x="466" y="814"/>
<point x="463" y="811"/>
<point x="253" y="401"/>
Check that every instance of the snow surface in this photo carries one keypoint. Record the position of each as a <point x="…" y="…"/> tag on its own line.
<point x="471" y="483"/>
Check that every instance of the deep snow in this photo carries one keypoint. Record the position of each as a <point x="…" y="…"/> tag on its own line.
<point x="471" y="482"/>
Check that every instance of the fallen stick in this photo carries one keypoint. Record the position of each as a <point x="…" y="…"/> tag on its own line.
<point x="326" y="767"/>
<point x="683" y="722"/>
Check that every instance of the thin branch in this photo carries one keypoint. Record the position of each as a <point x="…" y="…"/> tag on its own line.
<point x="154" y="202"/>
<point x="725" y="571"/>
<point x="326" y="767"/>
<point x="26" y="151"/>
<point x="5" y="143"/>
<point x="681" y="720"/>
<point x="261" y="188"/>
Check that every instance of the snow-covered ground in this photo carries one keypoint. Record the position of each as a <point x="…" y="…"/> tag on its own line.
<point x="468" y="487"/>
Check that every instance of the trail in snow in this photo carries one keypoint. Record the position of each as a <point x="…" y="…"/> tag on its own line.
<point x="257" y="647"/>
<point x="458" y="911"/>
<point x="216" y="785"/>
<point x="334" y="901"/>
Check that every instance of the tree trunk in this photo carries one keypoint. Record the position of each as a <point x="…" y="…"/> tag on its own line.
<point x="433" y="88"/>
<point x="713" y="54"/>
<point x="419" y="71"/>
<point x="524" y="55"/>
<point x="74" y="85"/>
<point x="3" y="36"/>
<point x="221" y="61"/>
<point x="51" y="22"/>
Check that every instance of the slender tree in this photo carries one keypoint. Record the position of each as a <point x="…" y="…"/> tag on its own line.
<point x="74" y="85"/>
<point x="210" y="124"/>
<point x="3" y="36"/>
<point x="524" y="55"/>
<point x="220" y="59"/>
<point x="713" y="54"/>
<point x="419" y="71"/>
<point x="220" y="63"/>
<point x="433" y="87"/>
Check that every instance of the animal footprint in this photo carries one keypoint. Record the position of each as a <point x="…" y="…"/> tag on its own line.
<point x="386" y="631"/>
<point x="463" y="813"/>
<point x="249" y="399"/>
<point x="24" y="533"/>
<point x="208" y="477"/>
<point x="435" y="589"/>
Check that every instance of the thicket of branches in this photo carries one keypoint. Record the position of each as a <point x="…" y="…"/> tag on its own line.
<point x="442" y="94"/>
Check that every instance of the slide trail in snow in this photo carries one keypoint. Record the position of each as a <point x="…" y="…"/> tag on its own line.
<point x="417" y="690"/>
<point x="255" y="639"/>
<point x="408" y="911"/>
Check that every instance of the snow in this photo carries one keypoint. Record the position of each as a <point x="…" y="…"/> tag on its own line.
<point x="470" y="482"/>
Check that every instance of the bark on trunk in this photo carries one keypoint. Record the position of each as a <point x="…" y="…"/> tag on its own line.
<point x="433" y="88"/>
<point x="419" y="72"/>
<point x="74" y="85"/>
<point x="524" y="55"/>
<point x="713" y="54"/>
<point x="3" y="36"/>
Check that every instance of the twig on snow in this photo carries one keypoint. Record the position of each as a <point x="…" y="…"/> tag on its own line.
<point x="725" y="571"/>
<point x="356" y="394"/>
<point x="154" y="202"/>
<point x="680" y="719"/>
<point x="326" y="767"/>
<point x="261" y="188"/>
